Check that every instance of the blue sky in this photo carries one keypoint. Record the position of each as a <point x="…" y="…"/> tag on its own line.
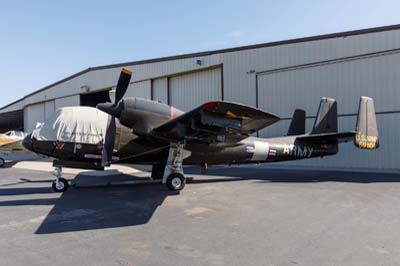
<point x="45" y="41"/>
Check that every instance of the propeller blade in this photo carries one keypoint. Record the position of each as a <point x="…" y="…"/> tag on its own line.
<point x="109" y="142"/>
<point x="122" y="85"/>
<point x="114" y="109"/>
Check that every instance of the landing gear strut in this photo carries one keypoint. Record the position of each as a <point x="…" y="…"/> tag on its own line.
<point x="173" y="173"/>
<point x="59" y="184"/>
<point x="204" y="168"/>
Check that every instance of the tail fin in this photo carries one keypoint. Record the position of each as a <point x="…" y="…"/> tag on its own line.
<point x="326" y="121"/>
<point x="298" y="124"/>
<point x="366" y="128"/>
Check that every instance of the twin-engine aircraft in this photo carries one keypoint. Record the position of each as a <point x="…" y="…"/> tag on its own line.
<point x="140" y="131"/>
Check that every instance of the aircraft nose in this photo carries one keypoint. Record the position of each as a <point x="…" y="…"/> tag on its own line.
<point x="27" y="142"/>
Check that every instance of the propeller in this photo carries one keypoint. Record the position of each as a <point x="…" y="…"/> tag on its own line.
<point x="114" y="109"/>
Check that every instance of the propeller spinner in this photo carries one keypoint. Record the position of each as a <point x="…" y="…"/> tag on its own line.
<point x="114" y="109"/>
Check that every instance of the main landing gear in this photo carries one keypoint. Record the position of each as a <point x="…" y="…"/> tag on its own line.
<point x="176" y="182"/>
<point x="173" y="177"/>
<point x="59" y="184"/>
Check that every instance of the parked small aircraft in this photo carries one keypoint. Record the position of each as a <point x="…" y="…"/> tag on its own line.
<point x="141" y="131"/>
<point x="11" y="143"/>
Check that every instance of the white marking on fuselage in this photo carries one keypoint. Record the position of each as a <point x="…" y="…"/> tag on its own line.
<point x="298" y="151"/>
<point x="260" y="151"/>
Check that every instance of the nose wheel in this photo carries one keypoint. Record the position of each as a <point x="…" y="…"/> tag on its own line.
<point x="59" y="184"/>
<point x="176" y="182"/>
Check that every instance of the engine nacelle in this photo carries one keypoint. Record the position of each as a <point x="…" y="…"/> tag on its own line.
<point x="142" y="115"/>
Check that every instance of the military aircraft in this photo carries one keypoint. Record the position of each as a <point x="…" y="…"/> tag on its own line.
<point x="140" y="131"/>
<point x="11" y="143"/>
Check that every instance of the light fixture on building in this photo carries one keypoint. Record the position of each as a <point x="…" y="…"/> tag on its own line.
<point x="85" y="88"/>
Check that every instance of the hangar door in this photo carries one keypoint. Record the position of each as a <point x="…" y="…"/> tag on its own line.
<point x="191" y="90"/>
<point x="37" y="113"/>
<point x="302" y="87"/>
<point x="281" y="91"/>
<point x="141" y="89"/>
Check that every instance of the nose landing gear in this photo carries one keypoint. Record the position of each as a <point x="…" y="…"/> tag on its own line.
<point x="59" y="184"/>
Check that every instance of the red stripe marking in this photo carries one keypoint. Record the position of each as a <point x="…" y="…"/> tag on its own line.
<point x="210" y="105"/>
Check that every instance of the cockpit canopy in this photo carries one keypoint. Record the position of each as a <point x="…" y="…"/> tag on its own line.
<point x="81" y="124"/>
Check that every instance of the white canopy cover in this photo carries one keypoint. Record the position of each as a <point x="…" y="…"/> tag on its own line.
<point x="85" y="125"/>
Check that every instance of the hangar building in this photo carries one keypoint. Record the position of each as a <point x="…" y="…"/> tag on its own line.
<point x="277" y="77"/>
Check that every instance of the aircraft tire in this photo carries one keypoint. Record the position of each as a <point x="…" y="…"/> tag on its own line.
<point x="176" y="182"/>
<point x="63" y="186"/>
<point x="2" y="162"/>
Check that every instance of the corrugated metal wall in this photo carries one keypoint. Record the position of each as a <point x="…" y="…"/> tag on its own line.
<point x="67" y="101"/>
<point x="107" y="78"/>
<point x="160" y="90"/>
<point x="191" y="90"/>
<point x="37" y="113"/>
<point x="284" y="77"/>
<point x="240" y="67"/>
<point x="346" y="81"/>
<point x="49" y="108"/>
<point x="139" y="89"/>
<point x="33" y="114"/>
<point x="375" y="76"/>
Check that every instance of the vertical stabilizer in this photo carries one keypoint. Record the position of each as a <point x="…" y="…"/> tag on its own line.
<point x="298" y="124"/>
<point x="326" y="120"/>
<point x="366" y="128"/>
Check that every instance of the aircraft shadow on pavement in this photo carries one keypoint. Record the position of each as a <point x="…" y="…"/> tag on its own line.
<point x="108" y="207"/>
<point x="88" y="209"/>
<point x="93" y="208"/>
<point x="130" y="205"/>
<point x="233" y="174"/>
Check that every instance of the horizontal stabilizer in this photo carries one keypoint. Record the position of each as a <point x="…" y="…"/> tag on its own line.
<point x="325" y="138"/>
<point x="325" y="127"/>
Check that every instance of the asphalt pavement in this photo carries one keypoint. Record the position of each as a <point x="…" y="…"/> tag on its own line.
<point x="230" y="216"/>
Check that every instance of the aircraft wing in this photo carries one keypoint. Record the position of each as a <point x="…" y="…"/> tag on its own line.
<point x="215" y="121"/>
<point x="15" y="145"/>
